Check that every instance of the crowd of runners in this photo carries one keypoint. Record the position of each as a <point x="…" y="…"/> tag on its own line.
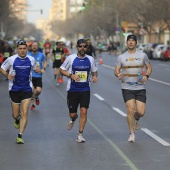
<point x="25" y="64"/>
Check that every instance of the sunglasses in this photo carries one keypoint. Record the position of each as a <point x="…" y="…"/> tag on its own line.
<point x="21" y="43"/>
<point x="84" y="46"/>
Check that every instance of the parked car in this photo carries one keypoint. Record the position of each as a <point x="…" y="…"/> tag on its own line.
<point x="104" y="47"/>
<point x="157" y="52"/>
<point x="150" y="47"/>
<point x="140" y="46"/>
<point x="165" y="54"/>
<point x="147" y="47"/>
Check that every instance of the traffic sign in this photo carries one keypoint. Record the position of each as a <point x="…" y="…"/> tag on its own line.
<point x="142" y="31"/>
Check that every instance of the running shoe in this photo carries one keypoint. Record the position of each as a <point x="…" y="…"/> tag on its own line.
<point x="17" y="124"/>
<point x="80" y="138"/>
<point x="37" y="101"/>
<point x="19" y="140"/>
<point x="136" y="123"/>
<point x="32" y="107"/>
<point x="131" y="137"/>
<point x="60" y="80"/>
<point x="71" y="123"/>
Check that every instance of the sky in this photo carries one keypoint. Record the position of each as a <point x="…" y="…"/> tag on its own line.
<point x="45" y="5"/>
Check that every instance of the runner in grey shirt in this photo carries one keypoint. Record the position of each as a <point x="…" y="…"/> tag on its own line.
<point x="132" y="66"/>
<point x="133" y="69"/>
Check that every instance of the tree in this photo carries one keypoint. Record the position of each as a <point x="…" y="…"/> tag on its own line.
<point x="104" y="16"/>
<point x="11" y="25"/>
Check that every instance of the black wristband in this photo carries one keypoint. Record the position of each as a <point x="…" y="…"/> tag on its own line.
<point x="70" y="75"/>
<point x="147" y="76"/>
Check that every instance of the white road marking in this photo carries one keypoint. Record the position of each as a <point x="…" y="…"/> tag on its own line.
<point x="99" y="97"/>
<point x="157" y="138"/>
<point x="148" y="132"/>
<point x="159" y="81"/>
<point x="119" y="111"/>
<point x="108" y="66"/>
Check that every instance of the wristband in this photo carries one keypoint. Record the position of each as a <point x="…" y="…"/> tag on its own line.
<point x="147" y="76"/>
<point x="70" y="75"/>
<point x="44" y="68"/>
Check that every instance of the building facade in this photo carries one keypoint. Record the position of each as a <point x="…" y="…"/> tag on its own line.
<point x="63" y="9"/>
<point x="58" y="10"/>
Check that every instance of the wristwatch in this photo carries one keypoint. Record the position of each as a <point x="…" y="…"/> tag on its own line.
<point x="147" y="76"/>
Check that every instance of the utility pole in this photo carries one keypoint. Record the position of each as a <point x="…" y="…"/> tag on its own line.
<point x="119" y="32"/>
<point x="117" y="27"/>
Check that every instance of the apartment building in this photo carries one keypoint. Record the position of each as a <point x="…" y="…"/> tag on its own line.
<point x="58" y="10"/>
<point x="64" y="9"/>
<point x="74" y="6"/>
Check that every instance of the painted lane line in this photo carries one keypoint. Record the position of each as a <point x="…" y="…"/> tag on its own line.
<point x="119" y="111"/>
<point x="99" y="97"/>
<point x="159" y="81"/>
<point x="148" y="132"/>
<point x="108" y="66"/>
<point x="114" y="146"/>
<point x="157" y="138"/>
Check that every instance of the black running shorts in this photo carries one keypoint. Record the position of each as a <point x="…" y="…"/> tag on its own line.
<point x="37" y="82"/>
<point x="18" y="97"/>
<point x="57" y="63"/>
<point x="139" y="95"/>
<point x="74" y="99"/>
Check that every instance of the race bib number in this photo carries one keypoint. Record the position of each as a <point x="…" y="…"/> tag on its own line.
<point x="82" y="75"/>
<point x="6" y="54"/>
<point x="57" y="56"/>
<point x="37" y="64"/>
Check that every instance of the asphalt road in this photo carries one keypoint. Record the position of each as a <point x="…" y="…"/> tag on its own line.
<point x="50" y="146"/>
